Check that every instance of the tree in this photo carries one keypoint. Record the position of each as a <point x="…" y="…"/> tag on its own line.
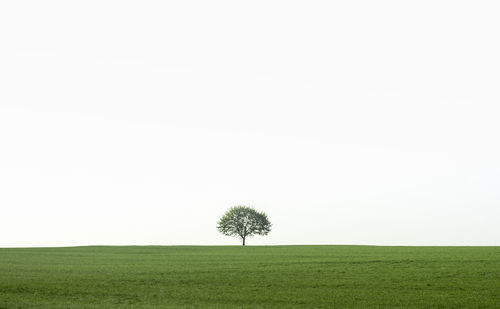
<point x="244" y="221"/>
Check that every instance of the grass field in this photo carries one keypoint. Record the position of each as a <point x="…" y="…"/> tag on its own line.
<point x="251" y="277"/>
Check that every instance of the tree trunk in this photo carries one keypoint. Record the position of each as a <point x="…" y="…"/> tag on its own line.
<point x="243" y="240"/>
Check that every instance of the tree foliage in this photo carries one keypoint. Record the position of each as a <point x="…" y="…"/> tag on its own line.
<point x="244" y="221"/>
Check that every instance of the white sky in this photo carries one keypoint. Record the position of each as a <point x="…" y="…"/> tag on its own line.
<point x="348" y="122"/>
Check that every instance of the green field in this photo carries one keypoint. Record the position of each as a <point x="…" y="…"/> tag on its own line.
<point x="251" y="277"/>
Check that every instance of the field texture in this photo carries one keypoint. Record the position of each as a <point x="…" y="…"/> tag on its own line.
<point x="251" y="277"/>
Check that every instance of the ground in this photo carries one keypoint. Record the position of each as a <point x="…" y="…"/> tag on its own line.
<point x="250" y="277"/>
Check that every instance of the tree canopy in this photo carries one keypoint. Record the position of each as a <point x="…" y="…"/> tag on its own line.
<point x="244" y="221"/>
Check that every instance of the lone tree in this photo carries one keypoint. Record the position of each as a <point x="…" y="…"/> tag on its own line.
<point x="244" y="222"/>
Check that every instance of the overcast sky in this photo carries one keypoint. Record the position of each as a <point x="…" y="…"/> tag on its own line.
<point x="348" y="122"/>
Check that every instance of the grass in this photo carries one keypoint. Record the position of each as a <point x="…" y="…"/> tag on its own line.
<point x="250" y="277"/>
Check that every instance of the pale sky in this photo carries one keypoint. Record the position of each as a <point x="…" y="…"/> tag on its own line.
<point x="347" y="122"/>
